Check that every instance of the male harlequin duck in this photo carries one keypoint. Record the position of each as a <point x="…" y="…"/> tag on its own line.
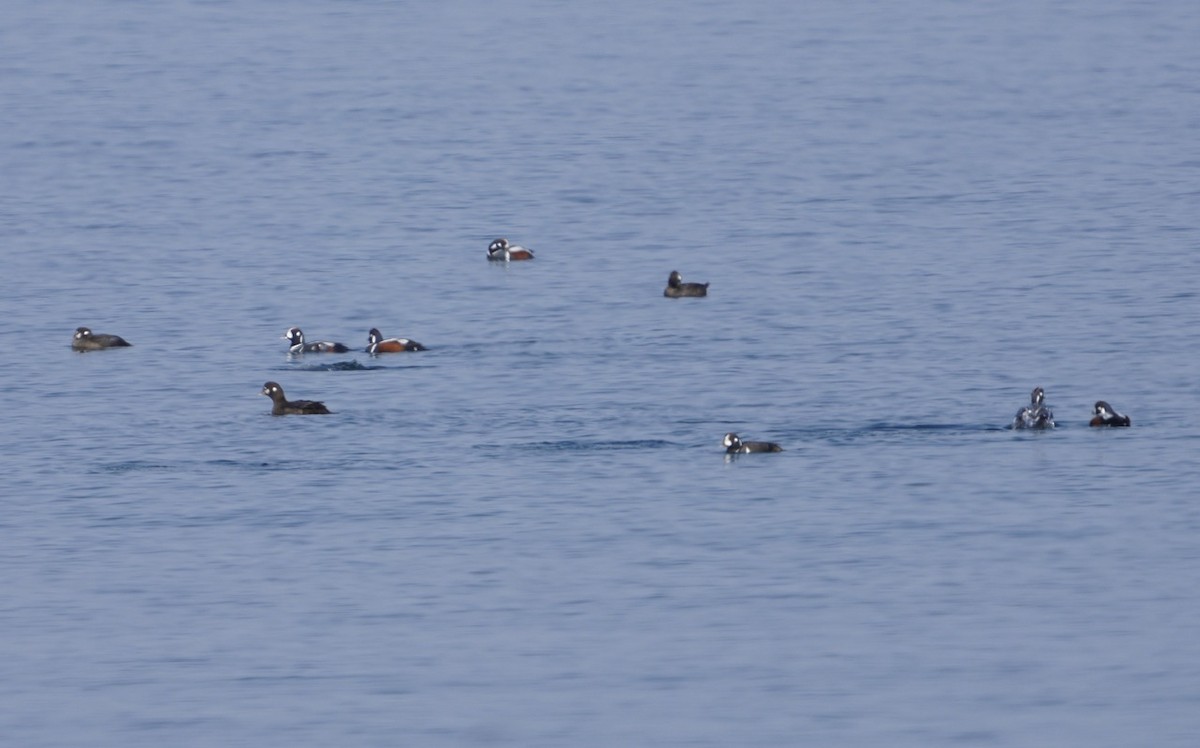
<point x="676" y="288"/>
<point x="296" y="338"/>
<point x="501" y="251"/>
<point x="734" y="445"/>
<point x="284" y="407"/>
<point x="1106" y="416"/>
<point x="86" y="340"/>
<point x="1035" y="415"/>
<point x="376" y="344"/>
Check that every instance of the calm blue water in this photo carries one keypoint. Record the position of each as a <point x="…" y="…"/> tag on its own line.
<point x="529" y="535"/>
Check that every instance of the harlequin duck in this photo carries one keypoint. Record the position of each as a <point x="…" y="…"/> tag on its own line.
<point x="501" y="251"/>
<point x="1035" y="415"/>
<point x="86" y="340"/>
<point x="676" y="288"/>
<point x="284" y="407"/>
<point x="1106" y="416"/>
<point x="296" y="338"/>
<point x="377" y="344"/>
<point x="734" y="445"/>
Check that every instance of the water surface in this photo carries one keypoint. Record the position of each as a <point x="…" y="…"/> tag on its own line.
<point x="529" y="535"/>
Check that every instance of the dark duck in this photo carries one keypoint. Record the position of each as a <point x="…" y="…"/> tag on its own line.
<point x="734" y="445"/>
<point x="677" y="289"/>
<point x="295" y="337"/>
<point x="281" y="406"/>
<point x="1104" y="415"/>
<point x="86" y="340"/>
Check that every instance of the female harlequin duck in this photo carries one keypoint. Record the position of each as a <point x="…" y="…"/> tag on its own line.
<point x="284" y="407"/>
<point x="376" y="344"/>
<point x="1035" y="415"/>
<point x="734" y="445"/>
<point x="1106" y="416"/>
<point x="501" y="251"/>
<point x="676" y="288"/>
<point x="296" y="338"/>
<point x="86" y="340"/>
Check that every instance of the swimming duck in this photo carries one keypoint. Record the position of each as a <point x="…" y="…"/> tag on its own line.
<point x="734" y="445"/>
<point x="1104" y="415"/>
<point x="281" y="406"/>
<point x="377" y="344"/>
<point x="86" y="340"/>
<point x="296" y="337"/>
<point x="1035" y="415"/>
<point x="676" y="288"/>
<point x="501" y="251"/>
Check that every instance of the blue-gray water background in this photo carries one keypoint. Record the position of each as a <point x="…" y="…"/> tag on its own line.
<point x="910" y="214"/>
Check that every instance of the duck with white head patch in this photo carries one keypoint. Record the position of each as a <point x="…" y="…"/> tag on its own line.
<point x="295" y="337"/>
<point x="677" y="289"/>
<point x="377" y="344"/>
<point x="1104" y="415"/>
<point x="500" y="250"/>
<point x="86" y="340"/>
<point x="281" y="406"/>
<point x="734" y="445"/>
<point x="1036" y="415"/>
